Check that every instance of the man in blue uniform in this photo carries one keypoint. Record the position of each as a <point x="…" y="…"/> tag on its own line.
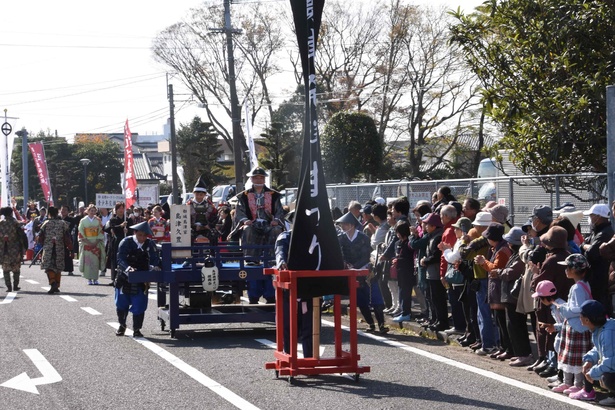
<point x="135" y="253"/>
<point x="304" y="307"/>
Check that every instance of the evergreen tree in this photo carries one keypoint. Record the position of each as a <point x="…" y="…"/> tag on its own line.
<point x="351" y="147"/>
<point x="280" y="156"/>
<point x="199" y="150"/>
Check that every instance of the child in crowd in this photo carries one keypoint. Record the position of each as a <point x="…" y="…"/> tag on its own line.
<point x="599" y="362"/>
<point x="405" y="270"/>
<point x="547" y="293"/>
<point x="575" y="338"/>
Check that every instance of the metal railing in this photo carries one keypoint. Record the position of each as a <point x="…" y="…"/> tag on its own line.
<point x="519" y="193"/>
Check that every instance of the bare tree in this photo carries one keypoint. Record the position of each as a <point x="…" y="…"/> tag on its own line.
<point x="393" y="76"/>
<point x="198" y="54"/>
<point x="440" y="91"/>
<point x="348" y="54"/>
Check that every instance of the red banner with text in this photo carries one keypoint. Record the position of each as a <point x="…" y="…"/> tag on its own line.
<point x="38" y="154"/>
<point x="130" y="180"/>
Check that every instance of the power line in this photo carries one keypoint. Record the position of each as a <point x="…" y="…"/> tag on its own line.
<point x="83" y="85"/>
<point x="84" y="92"/>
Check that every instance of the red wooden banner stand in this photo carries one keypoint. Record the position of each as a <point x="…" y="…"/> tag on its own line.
<point x="288" y="364"/>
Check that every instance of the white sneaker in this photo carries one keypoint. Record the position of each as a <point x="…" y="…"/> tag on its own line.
<point x="553" y="378"/>
<point x="485" y="352"/>
<point x="554" y="384"/>
<point x="609" y="401"/>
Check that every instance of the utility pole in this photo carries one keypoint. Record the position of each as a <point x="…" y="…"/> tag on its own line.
<point x="24" y="166"/>
<point x="174" y="191"/>
<point x="610" y="142"/>
<point x="235" y="112"/>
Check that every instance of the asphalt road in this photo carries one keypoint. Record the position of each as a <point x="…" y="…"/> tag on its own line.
<point x="66" y="346"/>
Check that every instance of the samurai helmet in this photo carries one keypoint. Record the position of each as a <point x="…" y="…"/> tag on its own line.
<point x="200" y="185"/>
<point x="257" y="171"/>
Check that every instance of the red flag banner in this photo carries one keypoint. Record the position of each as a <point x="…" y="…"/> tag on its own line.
<point x="38" y="154"/>
<point x="130" y="180"/>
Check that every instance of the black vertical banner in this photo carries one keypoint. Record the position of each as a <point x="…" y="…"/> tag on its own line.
<point x="313" y="242"/>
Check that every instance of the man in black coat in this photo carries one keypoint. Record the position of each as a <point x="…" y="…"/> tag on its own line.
<point x="602" y="232"/>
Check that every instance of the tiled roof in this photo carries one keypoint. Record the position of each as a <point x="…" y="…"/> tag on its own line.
<point x="143" y="168"/>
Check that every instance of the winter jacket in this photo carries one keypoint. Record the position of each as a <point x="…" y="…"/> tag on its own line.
<point x="433" y="255"/>
<point x="602" y="355"/>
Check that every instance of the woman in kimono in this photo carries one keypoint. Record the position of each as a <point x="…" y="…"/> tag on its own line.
<point x="91" y="246"/>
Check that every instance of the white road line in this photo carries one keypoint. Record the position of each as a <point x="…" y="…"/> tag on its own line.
<point x="46" y="288"/>
<point x="9" y="298"/>
<point x="68" y="298"/>
<point x="491" y="375"/>
<point x="33" y="282"/>
<point x="91" y="311"/>
<point x="211" y="384"/>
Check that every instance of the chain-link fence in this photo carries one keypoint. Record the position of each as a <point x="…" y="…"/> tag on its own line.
<point x="519" y="193"/>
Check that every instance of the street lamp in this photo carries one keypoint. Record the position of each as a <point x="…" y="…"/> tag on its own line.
<point x="85" y="162"/>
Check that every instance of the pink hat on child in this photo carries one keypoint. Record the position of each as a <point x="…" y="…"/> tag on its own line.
<point x="544" y="288"/>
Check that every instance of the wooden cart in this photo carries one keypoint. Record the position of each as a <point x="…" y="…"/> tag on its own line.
<point x="289" y="364"/>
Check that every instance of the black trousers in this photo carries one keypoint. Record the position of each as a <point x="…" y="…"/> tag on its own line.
<point x="439" y="299"/>
<point x="304" y="324"/>
<point x="470" y="312"/>
<point x="517" y="331"/>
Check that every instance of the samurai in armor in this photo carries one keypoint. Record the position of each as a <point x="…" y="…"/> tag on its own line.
<point x="135" y="253"/>
<point x="203" y="214"/>
<point x="260" y="214"/>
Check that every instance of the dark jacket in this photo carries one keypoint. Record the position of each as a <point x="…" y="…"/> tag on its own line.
<point x="356" y="253"/>
<point x="405" y="264"/>
<point x="390" y="250"/>
<point x="599" y="266"/>
<point x="556" y="273"/>
<point x="433" y="255"/>
<point x="512" y="271"/>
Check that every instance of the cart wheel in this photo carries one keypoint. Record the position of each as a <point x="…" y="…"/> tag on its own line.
<point x="277" y="374"/>
<point x="291" y="379"/>
<point x="356" y="377"/>
<point x="162" y="325"/>
<point x="173" y="333"/>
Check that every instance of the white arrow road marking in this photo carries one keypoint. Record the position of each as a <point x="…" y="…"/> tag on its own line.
<point x="33" y="282"/>
<point x="25" y="383"/>
<point x="211" y="384"/>
<point x="274" y="345"/>
<point x="9" y="298"/>
<point x="68" y="298"/>
<point x="91" y="311"/>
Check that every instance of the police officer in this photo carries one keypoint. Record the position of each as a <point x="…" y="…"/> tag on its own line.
<point x="203" y="213"/>
<point x="135" y="253"/>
